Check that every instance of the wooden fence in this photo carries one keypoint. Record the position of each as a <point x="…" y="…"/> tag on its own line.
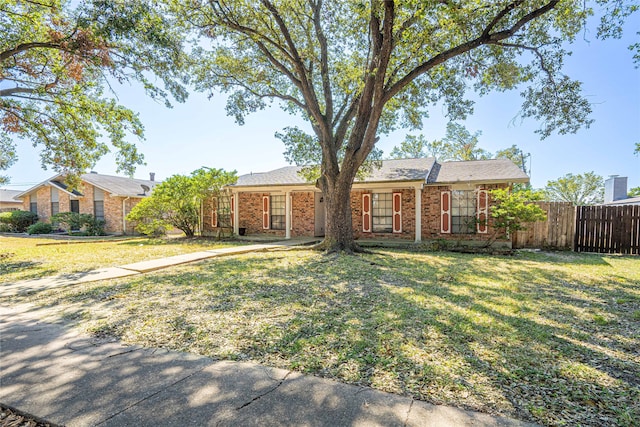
<point x="557" y="232"/>
<point x="608" y="229"/>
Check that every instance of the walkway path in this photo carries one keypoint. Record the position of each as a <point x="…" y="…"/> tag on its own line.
<point x="67" y="378"/>
<point x="28" y="286"/>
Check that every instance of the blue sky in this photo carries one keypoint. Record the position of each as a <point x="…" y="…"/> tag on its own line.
<point x="198" y="133"/>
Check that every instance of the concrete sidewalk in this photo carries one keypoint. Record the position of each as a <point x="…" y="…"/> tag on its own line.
<point x="28" y="286"/>
<point x="70" y="379"/>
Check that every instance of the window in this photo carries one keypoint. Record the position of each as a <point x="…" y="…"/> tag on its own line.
<point x="382" y="212"/>
<point x="33" y="203"/>
<point x="55" y="201"/>
<point x="75" y="206"/>
<point x="98" y="203"/>
<point x="463" y="211"/>
<point x="278" y="212"/>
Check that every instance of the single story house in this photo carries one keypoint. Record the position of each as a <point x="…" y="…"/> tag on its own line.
<point x="412" y="199"/>
<point x="8" y="202"/>
<point x="106" y="197"/>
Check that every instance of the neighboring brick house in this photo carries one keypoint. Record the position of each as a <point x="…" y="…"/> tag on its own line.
<point x="106" y="197"/>
<point x="449" y="196"/>
<point x="8" y="201"/>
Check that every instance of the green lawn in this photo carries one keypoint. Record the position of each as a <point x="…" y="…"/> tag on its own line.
<point x="31" y="258"/>
<point x="546" y="337"/>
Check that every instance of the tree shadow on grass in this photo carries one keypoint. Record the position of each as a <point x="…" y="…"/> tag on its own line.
<point x="496" y="334"/>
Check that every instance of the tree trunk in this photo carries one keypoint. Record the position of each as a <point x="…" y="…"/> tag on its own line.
<point x="339" y="227"/>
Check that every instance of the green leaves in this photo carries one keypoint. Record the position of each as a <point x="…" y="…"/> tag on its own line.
<point x="176" y="202"/>
<point x="580" y="189"/>
<point x="55" y="62"/>
<point x="514" y="209"/>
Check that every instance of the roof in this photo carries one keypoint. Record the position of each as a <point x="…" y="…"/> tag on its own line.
<point x="9" y="195"/>
<point x="629" y="201"/>
<point x="424" y="169"/>
<point x="478" y="171"/>
<point x="116" y="185"/>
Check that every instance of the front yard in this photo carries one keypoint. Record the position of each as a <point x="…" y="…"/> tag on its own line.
<point x="24" y="258"/>
<point x="547" y="337"/>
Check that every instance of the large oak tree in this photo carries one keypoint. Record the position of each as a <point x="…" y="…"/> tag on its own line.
<point x="357" y="69"/>
<point x="57" y="60"/>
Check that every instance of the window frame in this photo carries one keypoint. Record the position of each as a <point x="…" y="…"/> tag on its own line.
<point x="277" y="212"/>
<point x="463" y="211"/>
<point x="382" y="212"/>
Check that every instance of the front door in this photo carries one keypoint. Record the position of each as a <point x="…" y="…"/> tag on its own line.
<point x="320" y="215"/>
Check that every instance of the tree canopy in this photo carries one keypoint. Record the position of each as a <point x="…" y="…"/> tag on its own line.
<point x="176" y="202"/>
<point x="57" y="60"/>
<point x="359" y="69"/>
<point x="581" y="189"/>
<point x="458" y="144"/>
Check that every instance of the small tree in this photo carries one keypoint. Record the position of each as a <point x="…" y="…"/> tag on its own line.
<point x="177" y="201"/>
<point x="514" y="210"/>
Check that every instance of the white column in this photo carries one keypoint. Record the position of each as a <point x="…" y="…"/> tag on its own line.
<point x="418" y="213"/>
<point x="287" y="215"/>
<point x="236" y="216"/>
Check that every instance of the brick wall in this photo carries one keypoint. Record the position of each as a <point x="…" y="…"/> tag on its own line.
<point x="250" y="214"/>
<point x="303" y="213"/>
<point x="408" y="209"/>
<point x="431" y="214"/>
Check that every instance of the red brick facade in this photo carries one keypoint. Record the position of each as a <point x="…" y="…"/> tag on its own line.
<point x="250" y="214"/>
<point x="113" y="206"/>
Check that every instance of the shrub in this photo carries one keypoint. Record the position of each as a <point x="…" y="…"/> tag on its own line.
<point x="40" y="228"/>
<point x="75" y="221"/>
<point x="5" y="228"/>
<point x="18" y="221"/>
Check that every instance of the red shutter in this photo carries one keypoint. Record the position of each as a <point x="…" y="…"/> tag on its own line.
<point x="397" y="212"/>
<point x="445" y="212"/>
<point x="483" y="209"/>
<point x="214" y="212"/>
<point x="366" y="213"/>
<point x="265" y="212"/>
<point x="233" y="209"/>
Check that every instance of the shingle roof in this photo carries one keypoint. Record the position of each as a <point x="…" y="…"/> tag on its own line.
<point x="423" y="169"/>
<point x="628" y="201"/>
<point x="118" y="185"/>
<point x="477" y="170"/>
<point x="8" y="195"/>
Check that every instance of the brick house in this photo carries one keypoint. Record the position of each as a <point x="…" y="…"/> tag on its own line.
<point x="8" y="201"/>
<point x="106" y="197"/>
<point x="411" y="199"/>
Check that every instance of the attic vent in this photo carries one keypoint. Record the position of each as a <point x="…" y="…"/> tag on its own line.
<point x="94" y="172"/>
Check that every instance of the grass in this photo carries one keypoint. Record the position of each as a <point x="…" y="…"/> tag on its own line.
<point x="545" y="337"/>
<point x="24" y="258"/>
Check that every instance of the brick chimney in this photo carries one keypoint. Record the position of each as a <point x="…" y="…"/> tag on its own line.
<point x="615" y="188"/>
<point x="152" y="176"/>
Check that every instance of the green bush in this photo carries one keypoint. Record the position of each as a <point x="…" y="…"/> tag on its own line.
<point x="5" y="228"/>
<point x="18" y="221"/>
<point x="76" y="221"/>
<point x="40" y="228"/>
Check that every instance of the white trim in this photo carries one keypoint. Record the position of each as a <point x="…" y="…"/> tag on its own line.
<point x="418" y="213"/>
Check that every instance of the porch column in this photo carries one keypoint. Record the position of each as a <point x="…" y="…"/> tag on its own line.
<point x="418" y="213"/>
<point x="287" y="215"/>
<point x="236" y="216"/>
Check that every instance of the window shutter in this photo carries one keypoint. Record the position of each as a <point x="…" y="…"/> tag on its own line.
<point x="483" y="209"/>
<point x="445" y="212"/>
<point x="214" y="212"/>
<point x="397" y="212"/>
<point x="265" y="212"/>
<point x="366" y="213"/>
<point x="233" y="209"/>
